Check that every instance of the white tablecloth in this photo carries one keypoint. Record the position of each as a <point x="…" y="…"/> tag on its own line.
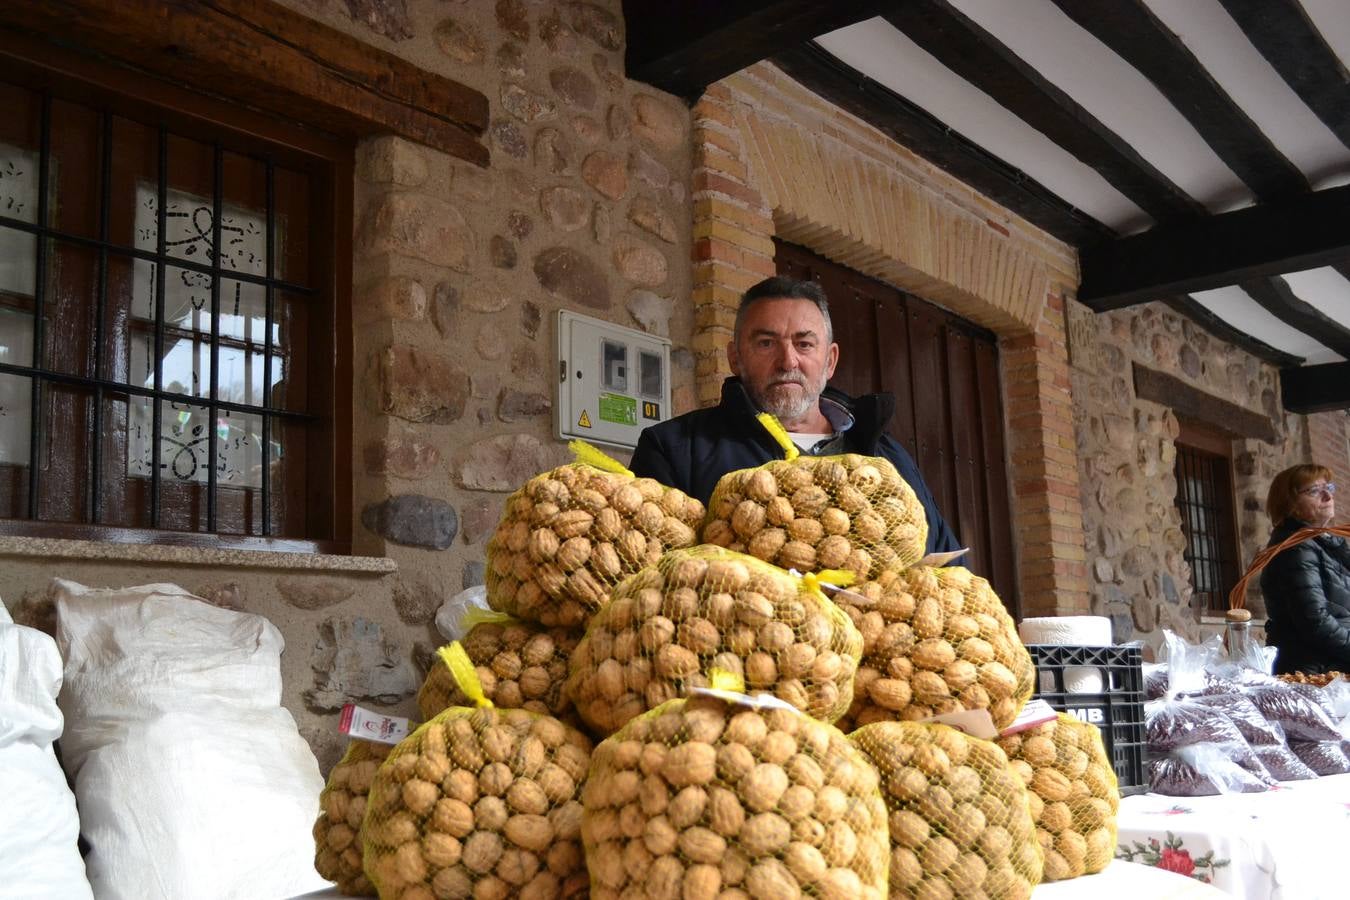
<point x="1288" y="843"/>
<point x="1118" y="881"/>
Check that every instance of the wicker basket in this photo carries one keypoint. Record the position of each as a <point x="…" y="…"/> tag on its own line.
<point x="1237" y="597"/>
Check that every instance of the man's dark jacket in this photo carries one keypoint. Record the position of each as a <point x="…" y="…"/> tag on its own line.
<point x="1307" y="593"/>
<point x="692" y="451"/>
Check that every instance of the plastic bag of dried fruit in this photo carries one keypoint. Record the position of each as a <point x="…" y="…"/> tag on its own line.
<point x="342" y="807"/>
<point x="1074" y="795"/>
<point x="960" y="824"/>
<point x="571" y="534"/>
<point x="480" y="802"/>
<point x="520" y="665"/>
<point x="723" y="795"/>
<point x="702" y="608"/>
<point x="818" y="512"/>
<point x="935" y="640"/>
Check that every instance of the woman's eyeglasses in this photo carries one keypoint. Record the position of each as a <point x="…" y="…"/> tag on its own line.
<point x="1319" y="490"/>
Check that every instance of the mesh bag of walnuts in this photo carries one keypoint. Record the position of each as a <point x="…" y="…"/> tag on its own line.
<point x="935" y="640"/>
<point x="342" y="807"/>
<point x="960" y="825"/>
<point x="732" y="797"/>
<point x="520" y="665"/>
<point x="571" y="534"/>
<point x="479" y="802"/>
<point x="819" y="512"/>
<point x="1074" y="795"/>
<point x="702" y="608"/>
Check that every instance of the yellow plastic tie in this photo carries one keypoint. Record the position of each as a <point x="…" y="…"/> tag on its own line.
<point x="479" y="616"/>
<point x="723" y="680"/>
<point x="462" y="670"/>
<point x="590" y="455"/>
<point x="779" y="434"/>
<point x="812" y="581"/>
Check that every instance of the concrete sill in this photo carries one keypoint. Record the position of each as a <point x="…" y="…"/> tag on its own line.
<point x="57" y="548"/>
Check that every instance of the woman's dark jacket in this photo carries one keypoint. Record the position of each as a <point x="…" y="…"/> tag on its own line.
<point x="693" y="451"/>
<point x="1307" y="593"/>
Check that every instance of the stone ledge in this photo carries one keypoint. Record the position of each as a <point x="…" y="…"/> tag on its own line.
<point x="192" y="556"/>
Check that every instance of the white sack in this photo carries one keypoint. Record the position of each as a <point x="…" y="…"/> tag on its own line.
<point x="193" y="781"/>
<point x="39" y="828"/>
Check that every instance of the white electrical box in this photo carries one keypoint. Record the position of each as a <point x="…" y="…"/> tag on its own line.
<point x="612" y="381"/>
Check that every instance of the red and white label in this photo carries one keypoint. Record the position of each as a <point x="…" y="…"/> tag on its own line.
<point x="372" y="726"/>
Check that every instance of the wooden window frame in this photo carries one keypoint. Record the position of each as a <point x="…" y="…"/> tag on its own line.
<point x="123" y="92"/>
<point x="1200" y="440"/>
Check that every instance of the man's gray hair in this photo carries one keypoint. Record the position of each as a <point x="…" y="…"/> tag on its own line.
<point x="781" y="287"/>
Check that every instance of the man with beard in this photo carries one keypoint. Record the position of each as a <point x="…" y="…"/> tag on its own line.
<point x="782" y="353"/>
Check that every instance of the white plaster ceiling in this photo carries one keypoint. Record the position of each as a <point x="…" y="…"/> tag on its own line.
<point x="1128" y="104"/>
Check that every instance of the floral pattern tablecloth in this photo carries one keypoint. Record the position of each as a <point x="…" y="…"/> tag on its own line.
<point x="1274" y="845"/>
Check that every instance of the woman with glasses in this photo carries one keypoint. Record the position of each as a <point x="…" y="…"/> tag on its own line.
<point x="1307" y="587"/>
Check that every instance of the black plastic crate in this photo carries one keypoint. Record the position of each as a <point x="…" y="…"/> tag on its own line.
<point x="1118" y="711"/>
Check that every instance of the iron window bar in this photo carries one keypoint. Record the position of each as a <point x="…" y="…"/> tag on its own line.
<point x="119" y="387"/>
<point x="39" y="312"/>
<point x="269" y="311"/>
<point x="151" y="256"/>
<point x="95" y="503"/>
<point x="41" y="375"/>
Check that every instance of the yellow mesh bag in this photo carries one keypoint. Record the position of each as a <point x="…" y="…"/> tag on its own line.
<point x="521" y="665"/>
<point x="935" y="640"/>
<point x="706" y="798"/>
<point x="960" y="825"/>
<point x="342" y="807"/>
<point x="1074" y="794"/>
<point x="810" y="513"/>
<point x="668" y="626"/>
<point x="571" y="534"/>
<point x="479" y="802"/>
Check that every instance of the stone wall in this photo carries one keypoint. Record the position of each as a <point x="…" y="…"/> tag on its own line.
<point x="1127" y="456"/>
<point x="457" y="278"/>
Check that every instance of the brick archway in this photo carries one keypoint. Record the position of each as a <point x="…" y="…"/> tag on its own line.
<point x="771" y="158"/>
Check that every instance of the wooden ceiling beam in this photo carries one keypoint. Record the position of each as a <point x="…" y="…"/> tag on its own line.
<point x="1192" y="309"/>
<point x="1135" y="34"/>
<point x="1291" y="43"/>
<point x="986" y="63"/>
<point x="1315" y="389"/>
<point x="682" y="48"/>
<point x="914" y="128"/>
<point x="1278" y="299"/>
<point x="266" y="56"/>
<point x="1304" y="232"/>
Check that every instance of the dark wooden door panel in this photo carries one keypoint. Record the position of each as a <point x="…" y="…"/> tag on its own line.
<point x="944" y="375"/>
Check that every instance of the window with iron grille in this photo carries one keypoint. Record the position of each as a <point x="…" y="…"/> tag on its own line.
<point x="169" y="305"/>
<point x="1204" y="472"/>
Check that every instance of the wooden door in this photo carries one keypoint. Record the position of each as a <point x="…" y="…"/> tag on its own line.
<point x="944" y="374"/>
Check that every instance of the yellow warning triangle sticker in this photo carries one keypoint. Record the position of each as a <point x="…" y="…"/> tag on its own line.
<point x="584" y="421"/>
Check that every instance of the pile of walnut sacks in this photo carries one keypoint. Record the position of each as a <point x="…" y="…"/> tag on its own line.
<point x="1220" y="725"/>
<point x="656" y="710"/>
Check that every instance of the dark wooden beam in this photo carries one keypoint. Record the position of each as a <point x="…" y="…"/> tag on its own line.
<point x="1197" y="406"/>
<point x="684" y="47"/>
<point x="907" y="124"/>
<point x="981" y="59"/>
<point x="1189" y="307"/>
<point x="1137" y="36"/>
<point x="1291" y="43"/>
<point x="1278" y="299"/>
<point x="264" y="55"/>
<point x="1304" y="232"/>
<point x="1314" y="389"/>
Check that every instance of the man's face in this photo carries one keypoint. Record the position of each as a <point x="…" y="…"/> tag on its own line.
<point x="783" y="357"/>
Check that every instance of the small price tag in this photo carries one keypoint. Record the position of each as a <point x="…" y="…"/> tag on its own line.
<point x="1036" y="712"/>
<point x="754" y="701"/>
<point x="938" y="560"/>
<point x="975" y="722"/>
<point x="372" y="726"/>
